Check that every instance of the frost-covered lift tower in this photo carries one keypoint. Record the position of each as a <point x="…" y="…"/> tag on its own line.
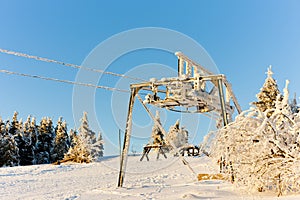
<point x="195" y="90"/>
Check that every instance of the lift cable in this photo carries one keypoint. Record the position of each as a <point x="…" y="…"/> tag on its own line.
<point x="63" y="81"/>
<point x="66" y="64"/>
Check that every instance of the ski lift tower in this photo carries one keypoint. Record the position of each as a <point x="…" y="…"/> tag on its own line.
<point x="195" y="90"/>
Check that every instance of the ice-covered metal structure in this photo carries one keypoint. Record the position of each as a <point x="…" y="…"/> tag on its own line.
<point x="194" y="90"/>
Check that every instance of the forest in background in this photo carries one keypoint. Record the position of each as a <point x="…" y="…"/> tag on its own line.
<point x="30" y="143"/>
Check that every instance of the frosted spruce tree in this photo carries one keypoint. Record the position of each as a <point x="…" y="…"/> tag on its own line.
<point x="33" y="129"/>
<point x="78" y="151"/>
<point x="261" y="148"/>
<point x="14" y="126"/>
<point x="268" y="93"/>
<point x="177" y="135"/>
<point x="16" y="130"/>
<point x="62" y="142"/>
<point x="157" y="135"/>
<point x="26" y="146"/>
<point x="294" y="105"/>
<point x="72" y="134"/>
<point x="9" y="152"/>
<point x="84" y="147"/>
<point x="45" y="141"/>
<point x="98" y="148"/>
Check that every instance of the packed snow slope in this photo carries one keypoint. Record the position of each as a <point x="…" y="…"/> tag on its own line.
<point x="154" y="179"/>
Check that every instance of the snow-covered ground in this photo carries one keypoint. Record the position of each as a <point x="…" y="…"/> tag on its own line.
<point x="161" y="179"/>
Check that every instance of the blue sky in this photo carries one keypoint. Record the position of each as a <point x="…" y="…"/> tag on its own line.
<point x="242" y="37"/>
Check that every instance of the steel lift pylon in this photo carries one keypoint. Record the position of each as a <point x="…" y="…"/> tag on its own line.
<point x="195" y="90"/>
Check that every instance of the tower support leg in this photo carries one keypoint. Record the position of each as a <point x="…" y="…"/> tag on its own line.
<point x="222" y="101"/>
<point x="127" y="136"/>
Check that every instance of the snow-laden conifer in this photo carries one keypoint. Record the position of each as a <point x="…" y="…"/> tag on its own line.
<point x="98" y="148"/>
<point x="268" y="93"/>
<point x="45" y="141"/>
<point x="177" y="135"/>
<point x="62" y="142"/>
<point x="157" y="135"/>
<point x="261" y="148"/>
<point x="84" y="144"/>
<point x="9" y="152"/>
<point x="26" y="147"/>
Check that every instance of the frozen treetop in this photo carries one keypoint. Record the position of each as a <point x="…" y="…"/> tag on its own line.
<point x="84" y="119"/>
<point x="270" y="72"/>
<point x="15" y="116"/>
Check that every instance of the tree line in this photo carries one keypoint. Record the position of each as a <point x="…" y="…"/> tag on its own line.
<point x="30" y="143"/>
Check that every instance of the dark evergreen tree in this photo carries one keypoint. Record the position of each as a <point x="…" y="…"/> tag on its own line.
<point x="294" y="106"/>
<point x="9" y="152"/>
<point x="62" y="142"/>
<point x="26" y="148"/>
<point x="73" y="134"/>
<point x="45" y="141"/>
<point x="15" y="129"/>
<point x="2" y="142"/>
<point x="33" y="129"/>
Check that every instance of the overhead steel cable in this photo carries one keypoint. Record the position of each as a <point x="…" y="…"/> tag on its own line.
<point x="63" y="81"/>
<point x="66" y="64"/>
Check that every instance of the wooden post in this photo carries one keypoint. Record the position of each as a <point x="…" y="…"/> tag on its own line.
<point x="222" y="102"/>
<point x="127" y="136"/>
<point x="120" y="145"/>
<point x="180" y="67"/>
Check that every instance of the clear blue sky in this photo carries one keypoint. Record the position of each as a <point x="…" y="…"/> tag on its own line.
<point x="242" y="37"/>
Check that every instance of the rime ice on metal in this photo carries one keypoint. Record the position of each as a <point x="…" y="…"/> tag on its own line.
<point x="194" y="90"/>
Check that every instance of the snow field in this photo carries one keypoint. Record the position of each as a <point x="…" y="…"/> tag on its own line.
<point x="161" y="179"/>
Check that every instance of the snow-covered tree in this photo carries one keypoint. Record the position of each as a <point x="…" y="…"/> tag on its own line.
<point x="16" y="131"/>
<point x="261" y="147"/>
<point x="33" y="129"/>
<point x="268" y="94"/>
<point x="13" y="127"/>
<point x="9" y="152"/>
<point x="177" y="135"/>
<point x="84" y="144"/>
<point x="72" y="134"/>
<point x="157" y="135"/>
<point x="98" y="147"/>
<point x="79" y="151"/>
<point x="45" y="141"/>
<point x="294" y="106"/>
<point x="25" y="145"/>
<point x="62" y="142"/>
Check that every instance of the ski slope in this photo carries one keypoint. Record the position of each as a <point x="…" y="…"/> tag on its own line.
<point x="154" y="179"/>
